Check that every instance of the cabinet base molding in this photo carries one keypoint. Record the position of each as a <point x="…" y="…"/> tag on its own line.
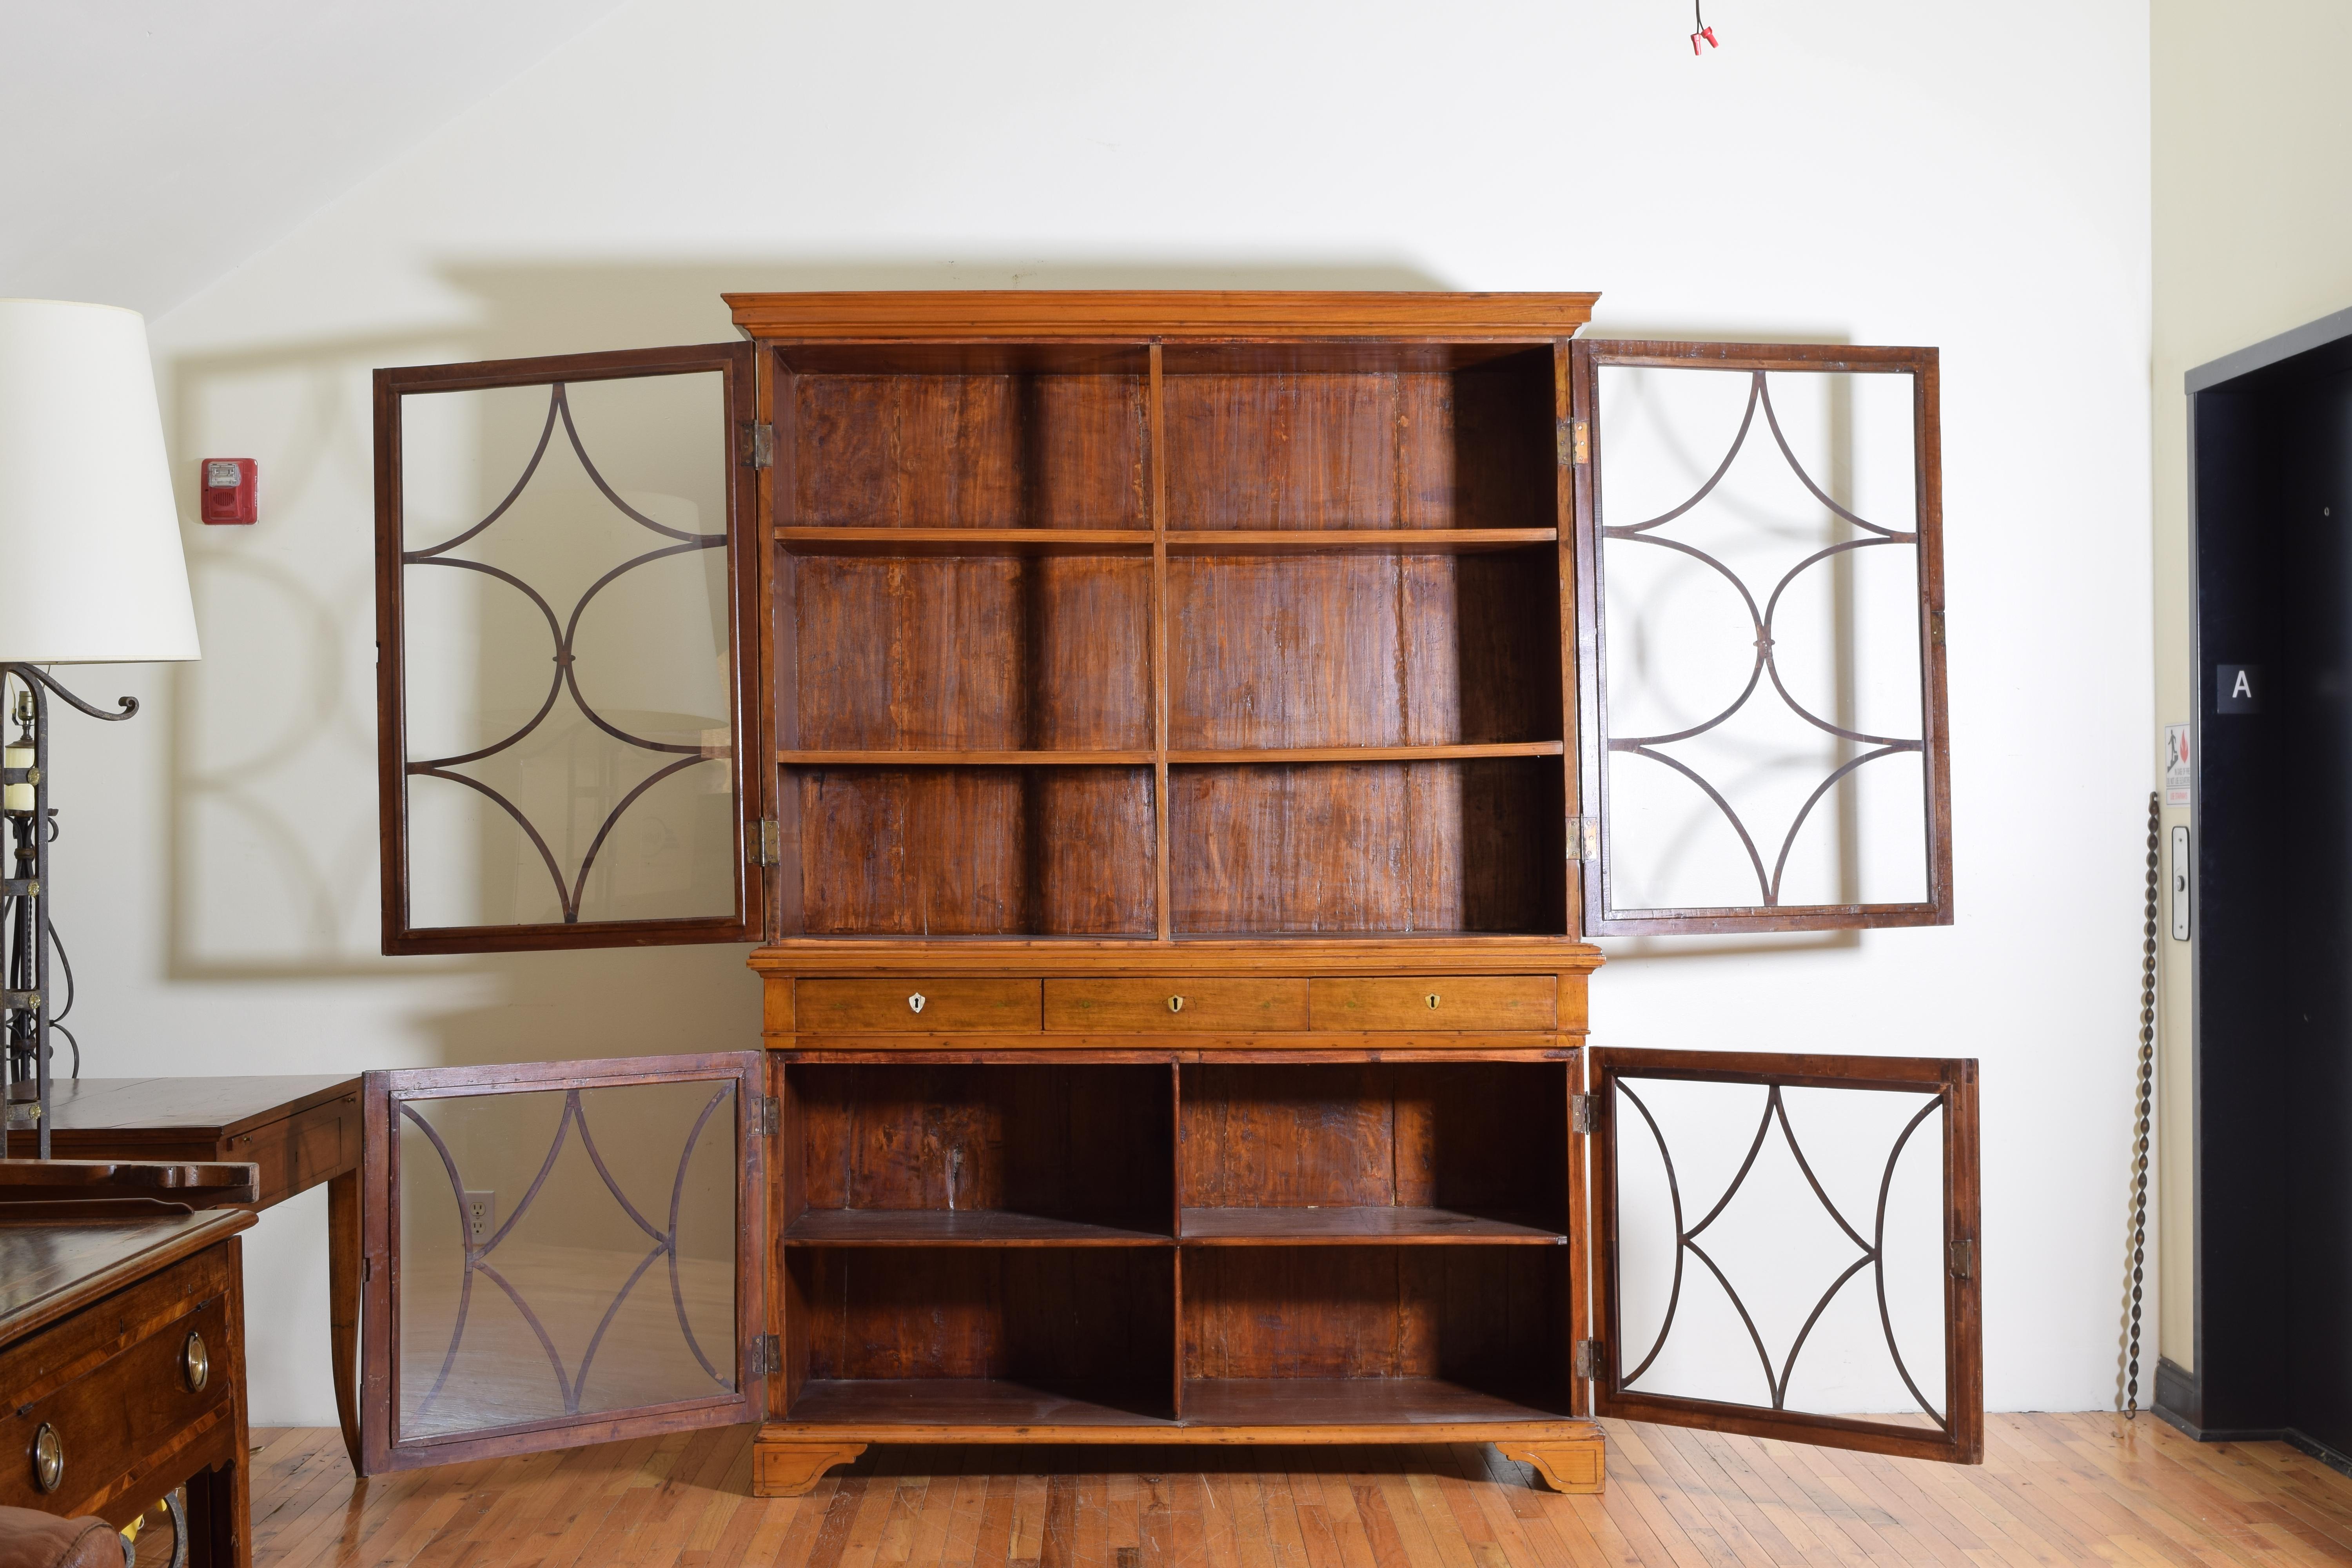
<point x="791" y="1466"/>
<point x="1575" y="1463"/>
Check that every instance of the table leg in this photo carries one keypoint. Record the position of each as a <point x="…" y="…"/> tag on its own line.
<point x="343" y="1304"/>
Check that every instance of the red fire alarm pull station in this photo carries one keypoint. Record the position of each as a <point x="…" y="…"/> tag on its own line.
<point x="227" y="489"/>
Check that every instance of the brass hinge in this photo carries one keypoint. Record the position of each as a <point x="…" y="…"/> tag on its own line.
<point x="1964" y="1260"/>
<point x="1575" y="443"/>
<point x="769" y="1113"/>
<point x="757" y="448"/>
<point x="1584" y="838"/>
<point x="766" y="845"/>
<point x="1588" y="1358"/>
<point x="764" y="1355"/>
<point x="1583" y="1115"/>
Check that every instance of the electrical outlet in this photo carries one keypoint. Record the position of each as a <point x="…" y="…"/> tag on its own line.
<point x="481" y="1215"/>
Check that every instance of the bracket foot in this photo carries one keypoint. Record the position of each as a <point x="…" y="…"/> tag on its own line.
<point x="1575" y="1464"/>
<point x="788" y="1466"/>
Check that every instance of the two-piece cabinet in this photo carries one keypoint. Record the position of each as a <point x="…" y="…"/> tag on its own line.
<point x="1172" y="749"/>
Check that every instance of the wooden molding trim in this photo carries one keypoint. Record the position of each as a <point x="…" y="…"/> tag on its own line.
<point x="1165" y="314"/>
<point x="1073" y="955"/>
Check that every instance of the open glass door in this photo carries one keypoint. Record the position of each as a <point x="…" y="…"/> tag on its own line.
<point x="1786" y="1247"/>
<point x="568" y="592"/>
<point x="1760" y="609"/>
<point x="561" y="1253"/>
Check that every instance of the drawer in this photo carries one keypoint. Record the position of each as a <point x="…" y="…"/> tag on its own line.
<point x="109" y="1382"/>
<point x="1437" y="1002"/>
<point x="1192" y="1005"/>
<point x="917" y="1006"/>
<point x="303" y="1150"/>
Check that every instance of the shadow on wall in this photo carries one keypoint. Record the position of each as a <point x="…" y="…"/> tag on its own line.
<point x="274" y="844"/>
<point x="274" y="850"/>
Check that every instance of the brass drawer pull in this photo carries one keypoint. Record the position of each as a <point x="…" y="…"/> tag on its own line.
<point x="915" y="1002"/>
<point x="1175" y="1003"/>
<point x="49" y="1459"/>
<point x="196" y="1361"/>
<point x="1432" y="1001"/>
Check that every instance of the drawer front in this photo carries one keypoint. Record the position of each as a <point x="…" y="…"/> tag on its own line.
<point x="303" y="1150"/>
<point x="1437" y="1002"/>
<point x="1186" y="1004"/>
<point x="109" y="1382"/>
<point x="916" y="1006"/>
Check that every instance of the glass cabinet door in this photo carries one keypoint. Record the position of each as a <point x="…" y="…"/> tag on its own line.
<point x="567" y="583"/>
<point x="1761" y="626"/>
<point x="1786" y="1247"/>
<point x="561" y="1253"/>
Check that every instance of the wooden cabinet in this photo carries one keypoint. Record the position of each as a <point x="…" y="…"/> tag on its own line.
<point x="1174" y="748"/>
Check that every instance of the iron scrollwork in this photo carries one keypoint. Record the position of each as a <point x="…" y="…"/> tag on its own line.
<point x="569" y="1386"/>
<point x="564" y="632"/>
<point x="1759" y="395"/>
<point x="1872" y="1251"/>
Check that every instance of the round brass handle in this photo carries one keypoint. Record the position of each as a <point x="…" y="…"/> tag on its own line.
<point x="1175" y="1003"/>
<point x="1433" y="999"/>
<point x="196" y="1361"/>
<point x="49" y="1459"/>
<point x="915" y="1002"/>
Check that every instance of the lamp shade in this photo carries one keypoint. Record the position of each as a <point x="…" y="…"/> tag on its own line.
<point x="90" y="566"/>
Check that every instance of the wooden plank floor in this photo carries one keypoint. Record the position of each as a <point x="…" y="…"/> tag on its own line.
<point x="2054" y="1489"/>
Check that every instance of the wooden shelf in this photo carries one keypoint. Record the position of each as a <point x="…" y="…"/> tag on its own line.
<point x="966" y="540"/>
<point x="1395" y="1225"/>
<point x="1271" y="756"/>
<point x="960" y="1402"/>
<point x="847" y="541"/>
<point x="1346" y="1402"/>
<point x="1276" y="755"/>
<point x="960" y="1227"/>
<point x="1354" y="540"/>
<point x="938" y="759"/>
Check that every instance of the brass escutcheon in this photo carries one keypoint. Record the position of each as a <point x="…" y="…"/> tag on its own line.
<point x="916" y="1001"/>
<point x="49" y="1459"/>
<point x="1175" y="1003"/>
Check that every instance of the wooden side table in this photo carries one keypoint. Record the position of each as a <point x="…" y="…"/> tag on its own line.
<point x="122" y="1350"/>
<point x="299" y="1129"/>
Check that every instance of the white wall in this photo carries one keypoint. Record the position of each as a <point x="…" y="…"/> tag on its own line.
<point x="2252" y="226"/>
<point x="1974" y="178"/>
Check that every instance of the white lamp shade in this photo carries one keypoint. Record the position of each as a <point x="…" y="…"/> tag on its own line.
<point x="90" y="566"/>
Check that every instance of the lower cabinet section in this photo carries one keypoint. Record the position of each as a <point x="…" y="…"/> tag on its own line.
<point x="1173" y="1252"/>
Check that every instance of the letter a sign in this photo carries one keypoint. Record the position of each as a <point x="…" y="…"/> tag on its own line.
<point x="2237" y="688"/>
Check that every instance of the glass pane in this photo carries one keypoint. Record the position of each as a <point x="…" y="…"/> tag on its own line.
<point x="1737" y="1281"/>
<point x="1760" y="603"/>
<point x="565" y="619"/>
<point x="562" y="1253"/>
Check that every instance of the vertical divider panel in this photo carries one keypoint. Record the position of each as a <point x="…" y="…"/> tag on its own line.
<point x="1157" y="474"/>
<point x="1575" y="474"/>
<point x="780" y="406"/>
<point x="1176" y="1229"/>
<point x="1579" y="1227"/>
<point x="788" y="1188"/>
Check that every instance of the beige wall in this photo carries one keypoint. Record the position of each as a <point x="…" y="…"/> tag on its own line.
<point x="2252" y="236"/>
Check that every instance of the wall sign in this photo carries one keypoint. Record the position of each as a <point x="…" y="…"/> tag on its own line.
<point x="2176" y="764"/>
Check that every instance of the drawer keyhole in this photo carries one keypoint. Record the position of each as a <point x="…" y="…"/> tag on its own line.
<point x="1432" y="1001"/>
<point x="916" y="1001"/>
<point x="1175" y="1003"/>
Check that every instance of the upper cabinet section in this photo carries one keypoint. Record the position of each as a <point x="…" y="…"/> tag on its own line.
<point x="563" y="584"/>
<point x="1760" y="579"/>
